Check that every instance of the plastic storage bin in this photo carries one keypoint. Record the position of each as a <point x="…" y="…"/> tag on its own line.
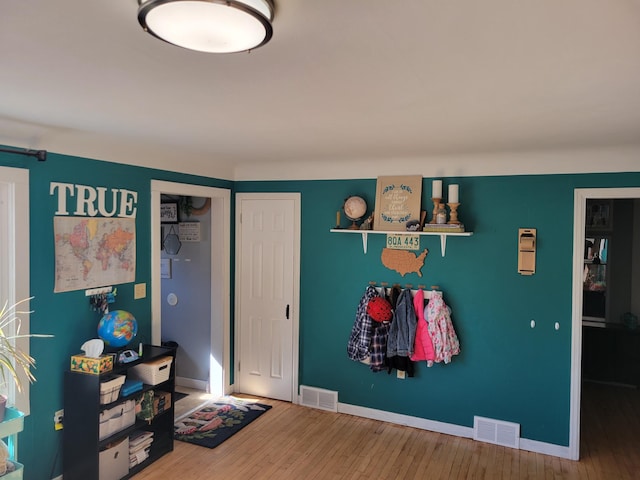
<point x="154" y="372"/>
<point x="110" y="389"/>
<point x="112" y="420"/>
<point x="17" y="474"/>
<point x="12" y="424"/>
<point x="114" y="461"/>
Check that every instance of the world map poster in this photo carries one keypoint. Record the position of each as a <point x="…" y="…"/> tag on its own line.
<point x="94" y="252"/>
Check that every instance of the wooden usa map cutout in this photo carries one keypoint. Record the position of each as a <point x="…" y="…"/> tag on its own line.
<point x="403" y="261"/>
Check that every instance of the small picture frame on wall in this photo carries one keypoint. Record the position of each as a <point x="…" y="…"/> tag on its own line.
<point x="165" y="268"/>
<point x="599" y="215"/>
<point x="169" y="212"/>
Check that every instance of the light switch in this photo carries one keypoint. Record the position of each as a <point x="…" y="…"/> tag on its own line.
<point x="139" y="291"/>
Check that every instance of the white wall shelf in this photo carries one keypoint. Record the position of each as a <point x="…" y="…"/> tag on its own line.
<point x="443" y="236"/>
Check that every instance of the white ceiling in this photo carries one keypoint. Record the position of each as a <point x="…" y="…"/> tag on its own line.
<point x="341" y="81"/>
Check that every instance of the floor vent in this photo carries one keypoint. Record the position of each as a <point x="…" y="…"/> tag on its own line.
<point x="502" y="433"/>
<point x="319" y="398"/>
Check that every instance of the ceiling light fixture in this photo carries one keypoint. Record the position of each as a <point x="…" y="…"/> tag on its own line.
<point x="212" y="26"/>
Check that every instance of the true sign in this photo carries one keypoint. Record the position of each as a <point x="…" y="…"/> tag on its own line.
<point x="91" y="201"/>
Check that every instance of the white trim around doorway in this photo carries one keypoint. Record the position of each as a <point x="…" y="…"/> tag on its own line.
<point x="14" y="264"/>
<point x="219" y="381"/>
<point x="579" y="208"/>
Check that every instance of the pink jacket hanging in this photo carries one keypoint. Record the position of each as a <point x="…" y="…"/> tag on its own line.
<point x="422" y="346"/>
<point x="444" y="338"/>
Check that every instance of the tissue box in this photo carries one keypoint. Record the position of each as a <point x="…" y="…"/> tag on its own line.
<point x="94" y="366"/>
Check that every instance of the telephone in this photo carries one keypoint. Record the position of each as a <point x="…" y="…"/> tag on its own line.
<point x="127" y="356"/>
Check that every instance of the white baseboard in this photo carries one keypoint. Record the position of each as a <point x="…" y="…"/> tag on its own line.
<point x="407" y="420"/>
<point x="446" y="428"/>
<point x="59" y="477"/>
<point x="545" y="448"/>
<point x="192" y="383"/>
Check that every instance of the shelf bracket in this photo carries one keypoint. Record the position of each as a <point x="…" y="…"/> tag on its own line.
<point x="365" y="237"/>
<point x="443" y="244"/>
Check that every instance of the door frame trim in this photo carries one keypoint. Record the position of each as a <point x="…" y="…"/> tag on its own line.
<point x="580" y="196"/>
<point x="295" y="317"/>
<point x="220" y="271"/>
<point x="15" y="266"/>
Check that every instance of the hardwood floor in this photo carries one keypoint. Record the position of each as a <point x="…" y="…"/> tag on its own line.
<point x="293" y="442"/>
<point x="611" y="430"/>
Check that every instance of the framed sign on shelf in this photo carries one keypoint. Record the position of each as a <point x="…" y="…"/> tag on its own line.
<point x="398" y="200"/>
<point x="599" y="215"/>
<point x="169" y="212"/>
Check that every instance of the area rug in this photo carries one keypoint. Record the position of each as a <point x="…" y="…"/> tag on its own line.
<point x="180" y="396"/>
<point x="217" y="421"/>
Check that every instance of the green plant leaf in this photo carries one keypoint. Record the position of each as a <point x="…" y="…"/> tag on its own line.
<point x="12" y="359"/>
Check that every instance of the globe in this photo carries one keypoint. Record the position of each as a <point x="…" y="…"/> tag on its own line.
<point x="117" y="328"/>
<point x="355" y="208"/>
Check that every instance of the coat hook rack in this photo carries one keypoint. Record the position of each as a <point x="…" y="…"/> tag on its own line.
<point x="427" y="292"/>
<point x="406" y="285"/>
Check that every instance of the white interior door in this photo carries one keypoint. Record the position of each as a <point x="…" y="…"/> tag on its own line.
<point x="267" y="293"/>
<point x="219" y="298"/>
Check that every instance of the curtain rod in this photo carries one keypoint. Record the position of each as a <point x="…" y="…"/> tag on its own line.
<point x="41" y="155"/>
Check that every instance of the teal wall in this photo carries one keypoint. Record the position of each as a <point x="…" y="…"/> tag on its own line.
<point x="506" y="370"/>
<point x="67" y="315"/>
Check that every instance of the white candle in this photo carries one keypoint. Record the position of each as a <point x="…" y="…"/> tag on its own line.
<point x="437" y="189"/>
<point x="453" y="193"/>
